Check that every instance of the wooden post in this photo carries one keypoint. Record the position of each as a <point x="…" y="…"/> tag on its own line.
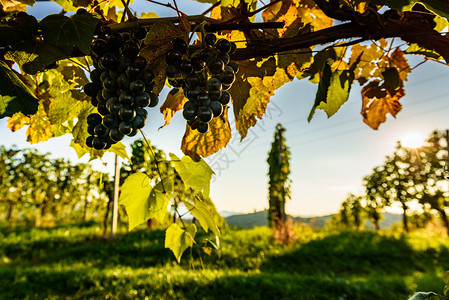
<point x="115" y="199"/>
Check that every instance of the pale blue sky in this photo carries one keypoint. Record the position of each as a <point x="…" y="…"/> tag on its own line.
<point x="329" y="157"/>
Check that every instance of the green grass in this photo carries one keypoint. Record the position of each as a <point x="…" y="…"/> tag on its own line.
<point x="74" y="262"/>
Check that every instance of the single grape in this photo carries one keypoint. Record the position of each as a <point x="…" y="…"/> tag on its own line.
<point x="127" y="113"/>
<point x="94" y="101"/>
<point x="109" y="84"/>
<point x="173" y="57"/>
<point x="203" y="99"/>
<point x="154" y="100"/>
<point x="89" y="141"/>
<point x="189" y="113"/>
<point x="192" y="94"/>
<point x="181" y="46"/>
<point x="138" y="122"/>
<point x="81" y="11"/>
<point x="233" y="48"/>
<point x="110" y="121"/>
<point x="114" y="40"/>
<point x="203" y="127"/>
<point x="206" y="55"/>
<point x="213" y="84"/>
<point x="139" y="33"/>
<point x="90" y="129"/>
<point x="126" y="99"/>
<point x="122" y="81"/>
<point x="147" y="76"/>
<point x="90" y="89"/>
<point x="132" y="72"/>
<point x="227" y="77"/>
<point x="102" y="110"/>
<point x="125" y="128"/>
<point x="224" y="57"/>
<point x="210" y="39"/>
<point x="214" y="95"/>
<point x="103" y="76"/>
<point x="225" y="87"/>
<point x="123" y="64"/>
<point x="234" y="66"/>
<point x="193" y="80"/>
<point x="95" y="76"/>
<point x="99" y="47"/>
<point x="216" y="107"/>
<point x="94" y="119"/>
<point x="116" y="135"/>
<point x="186" y="66"/>
<point x="98" y="143"/>
<point x="130" y="49"/>
<point x="134" y="132"/>
<point x="216" y="66"/>
<point x="141" y="112"/>
<point x="172" y="71"/>
<point x="223" y="45"/>
<point x="142" y="100"/>
<point x="137" y="87"/>
<point x="108" y="61"/>
<point x="100" y="130"/>
<point x="225" y="98"/>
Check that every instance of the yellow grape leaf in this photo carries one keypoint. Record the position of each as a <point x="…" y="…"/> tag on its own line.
<point x="148" y="15"/>
<point x="283" y="11"/>
<point x="398" y="61"/>
<point x="205" y="211"/>
<point x="295" y="62"/>
<point x="310" y="13"/>
<point x="197" y="145"/>
<point x="377" y="102"/>
<point x="40" y="127"/>
<point x="80" y="129"/>
<point x="174" y="102"/>
<point x="63" y="108"/>
<point x="17" y="121"/>
<point x="178" y="239"/>
<point x="367" y="67"/>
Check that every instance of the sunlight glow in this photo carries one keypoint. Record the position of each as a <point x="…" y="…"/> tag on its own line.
<point x="412" y="140"/>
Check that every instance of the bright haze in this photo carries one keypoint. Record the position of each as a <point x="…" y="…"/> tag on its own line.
<point x="329" y="157"/>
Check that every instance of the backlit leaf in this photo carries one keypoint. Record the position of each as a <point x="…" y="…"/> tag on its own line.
<point x="159" y="198"/>
<point x="174" y="102"/>
<point x="62" y="108"/>
<point x="378" y="102"/>
<point x="197" y="145"/>
<point x="40" y="127"/>
<point x="15" y="96"/>
<point x="134" y="195"/>
<point x="204" y="210"/>
<point x="439" y="7"/>
<point x="398" y="61"/>
<point x="367" y="68"/>
<point x="17" y="121"/>
<point x="66" y="32"/>
<point x="120" y="150"/>
<point x="195" y="175"/>
<point x="178" y="239"/>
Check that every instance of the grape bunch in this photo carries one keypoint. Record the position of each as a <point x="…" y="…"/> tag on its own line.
<point x="205" y="77"/>
<point x="121" y="87"/>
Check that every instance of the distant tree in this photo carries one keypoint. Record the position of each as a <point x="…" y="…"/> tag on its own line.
<point x="350" y="215"/>
<point x="375" y="189"/>
<point x="278" y="172"/>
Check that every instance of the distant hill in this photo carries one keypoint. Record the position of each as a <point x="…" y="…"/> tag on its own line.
<point x="259" y="218"/>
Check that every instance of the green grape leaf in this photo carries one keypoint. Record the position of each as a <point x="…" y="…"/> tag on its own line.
<point x="63" y="108"/>
<point x="174" y="102"/>
<point x="418" y="50"/>
<point x="159" y="198"/>
<point x="119" y="149"/>
<point x="178" y="239"/>
<point x="134" y="196"/>
<point x="197" y="145"/>
<point x="438" y="7"/>
<point x="446" y="281"/>
<point x="195" y="175"/>
<point x="15" y="96"/>
<point x="323" y="88"/>
<point x="40" y="127"/>
<point x="67" y="32"/>
<point x="204" y="210"/>
<point x="79" y="132"/>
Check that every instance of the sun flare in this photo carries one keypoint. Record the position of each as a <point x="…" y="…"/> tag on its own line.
<point x="412" y="140"/>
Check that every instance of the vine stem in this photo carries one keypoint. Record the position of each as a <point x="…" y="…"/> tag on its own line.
<point x="155" y="160"/>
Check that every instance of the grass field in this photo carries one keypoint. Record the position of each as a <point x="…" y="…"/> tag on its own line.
<point x="74" y="262"/>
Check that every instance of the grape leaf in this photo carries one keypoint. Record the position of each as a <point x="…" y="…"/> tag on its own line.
<point x="159" y="198"/>
<point x="120" y="150"/>
<point x="195" y="175"/>
<point x="397" y="60"/>
<point x="178" y="239"/>
<point x="40" y="127"/>
<point x="197" y="145"/>
<point x="67" y="32"/>
<point x="63" y="108"/>
<point x="204" y="210"/>
<point x="15" y="96"/>
<point x="367" y="68"/>
<point x="17" y="121"/>
<point x="438" y="7"/>
<point x="80" y="129"/>
<point x="174" y="102"/>
<point x="134" y="196"/>
<point x="416" y="49"/>
<point x="377" y="102"/>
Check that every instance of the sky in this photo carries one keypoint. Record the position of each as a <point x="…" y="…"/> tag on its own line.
<point x="329" y="156"/>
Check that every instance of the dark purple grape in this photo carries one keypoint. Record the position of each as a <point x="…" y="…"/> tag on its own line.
<point x="133" y="72"/>
<point x="215" y="95"/>
<point x="102" y="110"/>
<point x="206" y="55"/>
<point x="108" y="143"/>
<point x="140" y="62"/>
<point x="104" y="75"/>
<point x="114" y="74"/>
<point x="224" y="57"/>
<point x="95" y="76"/>
<point x="137" y="87"/>
<point x="139" y="33"/>
<point x="202" y="127"/>
<point x="100" y="97"/>
<point x="197" y="64"/>
<point x="203" y="99"/>
<point x="123" y="64"/>
<point x="225" y="98"/>
<point x="225" y="87"/>
<point x="134" y="132"/>
<point x="110" y="121"/>
<point x="193" y="123"/>
<point x="81" y="11"/>
<point x="109" y="84"/>
<point x="193" y="80"/>
<point x="114" y="40"/>
<point x="90" y="129"/>
<point x="186" y="66"/>
<point x="108" y="61"/>
<point x="173" y="57"/>
<point x="89" y="141"/>
<point x="227" y="77"/>
<point x="138" y="122"/>
<point x="216" y="107"/>
<point x="181" y="46"/>
<point x="99" y="47"/>
<point x="189" y="111"/>
<point x="130" y="49"/>
<point x="126" y="99"/>
<point x="98" y="143"/>
<point x="116" y="135"/>
<point x="216" y="66"/>
<point x="100" y="130"/>
<point x="147" y="76"/>
<point x="234" y="66"/>
<point x="91" y="89"/>
<point x="192" y="94"/>
<point x="94" y="102"/>
<point x="210" y="39"/>
<point x="142" y="100"/>
<point x="125" y="128"/>
<point x="94" y="119"/>
<point x="127" y="113"/>
<point x="213" y="84"/>
<point x="223" y="45"/>
<point x="113" y="105"/>
<point x="233" y="48"/>
<point x="126" y="36"/>
<point x="172" y="71"/>
<point x="141" y="112"/>
<point x="122" y="81"/>
<point x="154" y="100"/>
